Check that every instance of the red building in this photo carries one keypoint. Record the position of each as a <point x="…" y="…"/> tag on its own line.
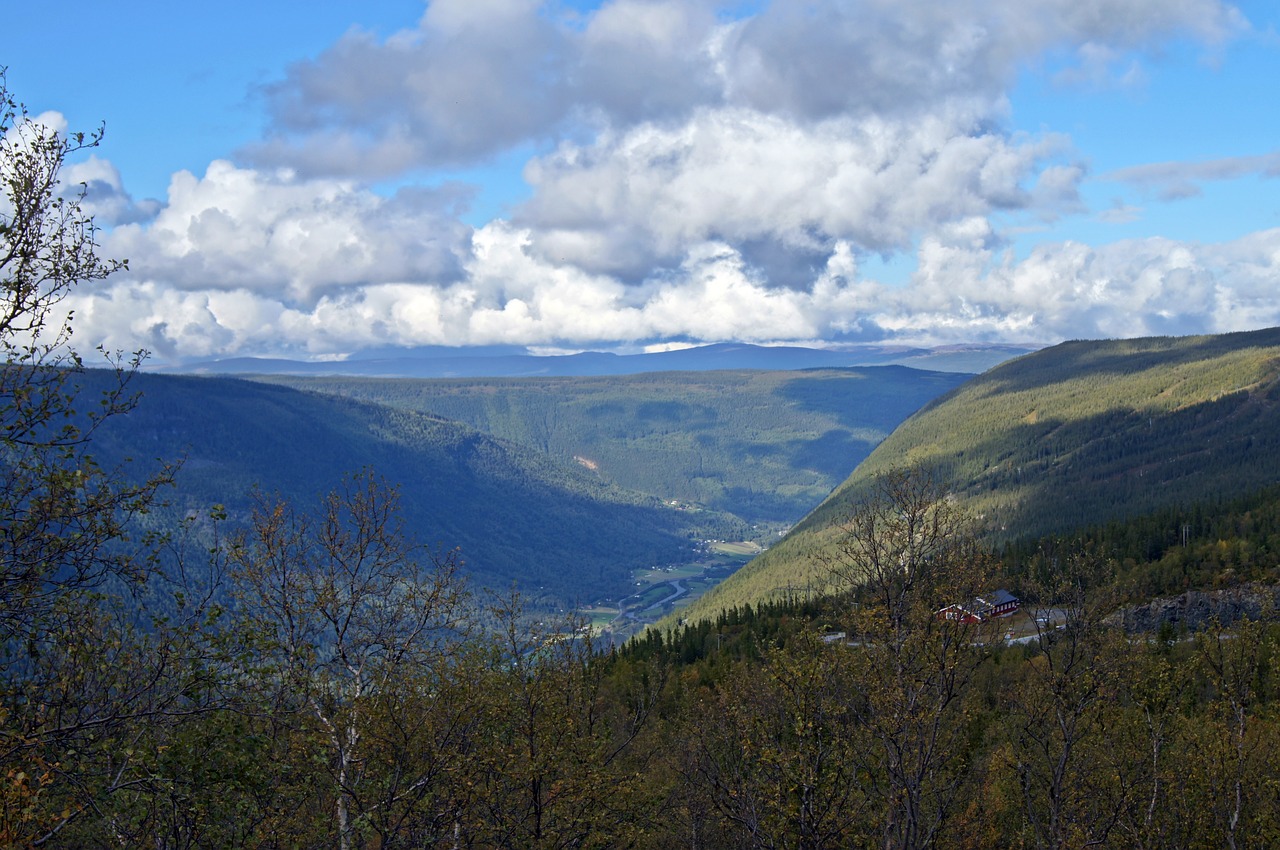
<point x="1000" y="603"/>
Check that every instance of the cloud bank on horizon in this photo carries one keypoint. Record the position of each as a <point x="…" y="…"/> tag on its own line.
<point x="695" y="171"/>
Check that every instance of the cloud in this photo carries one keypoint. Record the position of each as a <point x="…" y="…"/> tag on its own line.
<point x="105" y="197"/>
<point x="637" y="61"/>
<point x="1101" y="67"/>
<point x="704" y="175"/>
<point x="92" y="182"/>
<point x="886" y="57"/>
<point x="478" y="77"/>
<point x="270" y="232"/>
<point x="779" y="132"/>
<point x="1172" y="181"/>
<point x="475" y="77"/>
<point x="642" y="199"/>
<point x="1070" y="290"/>
<point x="1119" y="213"/>
<point x="967" y="287"/>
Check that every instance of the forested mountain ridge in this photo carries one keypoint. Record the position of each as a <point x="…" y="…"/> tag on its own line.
<point x="765" y="446"/>
<point x="1078" y="434"/>
<point x="516" y="514"/>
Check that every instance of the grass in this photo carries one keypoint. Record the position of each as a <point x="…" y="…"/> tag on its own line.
<point x="656" y="584"/>
<point x="743" y="549"/>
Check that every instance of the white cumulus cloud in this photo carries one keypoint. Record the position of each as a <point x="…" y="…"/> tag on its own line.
<point x="705" y="171"/>
<point x="270" y="232"/>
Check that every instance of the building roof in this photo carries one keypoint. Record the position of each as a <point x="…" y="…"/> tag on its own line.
<point x="998" y="597"/>
<point x="981" y="606"/>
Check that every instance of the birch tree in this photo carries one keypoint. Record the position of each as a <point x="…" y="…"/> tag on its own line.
<point x="909" y="551"/>
<point x="65" y="521"/>
<point x="348" y="612"/>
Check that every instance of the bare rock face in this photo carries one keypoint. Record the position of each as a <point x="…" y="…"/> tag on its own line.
<point x="1194" y="609"/>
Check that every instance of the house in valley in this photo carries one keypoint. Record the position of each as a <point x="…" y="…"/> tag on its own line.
<point x="999" y="603"/>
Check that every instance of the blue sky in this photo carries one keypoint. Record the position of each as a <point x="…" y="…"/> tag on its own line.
<point x="306" y="179"/>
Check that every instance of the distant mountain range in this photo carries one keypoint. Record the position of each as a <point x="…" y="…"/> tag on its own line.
<point x="505" y="361"/>
<point x="1077" y="434"/>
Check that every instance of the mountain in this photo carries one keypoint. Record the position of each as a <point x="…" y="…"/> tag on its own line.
<point x="1073" y="435"/>
<point x="765" y="446"/>
<point x="509" y="361"/>
<point x="517" y="515"/>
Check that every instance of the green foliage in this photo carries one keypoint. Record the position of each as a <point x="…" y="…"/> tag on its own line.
<point x="515" y="513"/>
<point x="763" y="446"/>
<point x="59" y="507"/>
<point x="1085" y="736"/>
<point x="79" y="675"/>
<point x="1206" y="545"/>
<point x="1068" y="437"/>
<point x="813" y="721"/>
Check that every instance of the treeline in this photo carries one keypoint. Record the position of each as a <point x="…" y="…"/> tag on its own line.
<point x="1206" y="545"/>
<point x="1082" y="737"/>
<point x="356" y="694"/>
<point x="351" y="693"/>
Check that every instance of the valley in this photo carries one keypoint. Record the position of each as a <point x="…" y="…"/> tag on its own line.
<point x="640" y="424"/>
<point x="662" y="591"/>
<point x="495" y="468"/>
<point x="763" y="446"/>
<point x="607" y="490"/>
<point x="667" y="656"/>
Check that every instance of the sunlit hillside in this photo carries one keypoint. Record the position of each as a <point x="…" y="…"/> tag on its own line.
<point x="1072" y="435"/>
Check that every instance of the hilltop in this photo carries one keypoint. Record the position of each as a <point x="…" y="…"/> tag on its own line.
<point x="1077" y="434"/>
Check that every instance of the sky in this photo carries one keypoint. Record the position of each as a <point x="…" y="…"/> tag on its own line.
<point x="300" y="179"/>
